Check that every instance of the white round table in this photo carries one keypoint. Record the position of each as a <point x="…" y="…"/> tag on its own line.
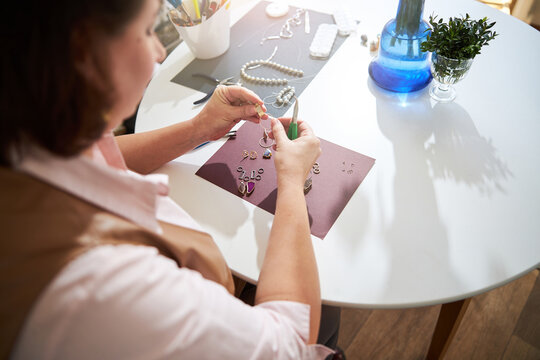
<point x="450" y="208"/>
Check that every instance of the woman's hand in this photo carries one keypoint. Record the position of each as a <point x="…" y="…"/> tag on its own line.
<point x="227" y="106"/>
<point x="294" y="159"/>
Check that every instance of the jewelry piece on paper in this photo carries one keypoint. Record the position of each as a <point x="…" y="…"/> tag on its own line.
<point x="242" y="188"/>
<point x="316" y="169"/>
<point x="265" y="143"/>
<point x="267" y="154"/>
<point x="253" y="174"/>
<point x="242" y="176"/>
<point x="350" y="171"/>
<point x="258" y="177"/>
<point x="239" y="169"/>
<point x="253" y="155"/>
<point x="307" y="185"/>
<point x="246" y="178"/>
<point x="250" y="187"/>
<point x="260" y="171"/>
<point x="245" y="154"/>
<point x="259" y="80"/>
<point x="285" y="95"/>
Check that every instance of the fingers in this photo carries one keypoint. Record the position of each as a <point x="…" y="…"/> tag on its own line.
<point x="237" y="94"/>
<point x="278" y="131"/>
<point x="303" y="128"/>
<point x="245" y="112"/>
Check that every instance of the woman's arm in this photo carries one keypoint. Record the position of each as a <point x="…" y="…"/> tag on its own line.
<point x="145" y="152"/>
<point x="289" y="270"/>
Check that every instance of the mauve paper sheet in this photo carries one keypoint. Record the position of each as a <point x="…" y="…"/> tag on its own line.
<point x="341" y="172"/>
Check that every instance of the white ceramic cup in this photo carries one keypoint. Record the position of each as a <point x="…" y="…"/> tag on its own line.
<point x="211" y="37"/>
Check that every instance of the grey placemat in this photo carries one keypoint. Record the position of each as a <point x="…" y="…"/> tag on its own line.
<point x="245" y="46"/>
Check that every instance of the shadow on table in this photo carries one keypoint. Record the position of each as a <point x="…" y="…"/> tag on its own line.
<point x="458" y="152"/>
<point x="430" y="143"/>
<point x="406" y="120"/>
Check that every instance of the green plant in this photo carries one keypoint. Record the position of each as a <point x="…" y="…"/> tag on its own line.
<point x="459" y="38"/>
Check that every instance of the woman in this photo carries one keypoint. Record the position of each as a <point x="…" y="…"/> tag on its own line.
<point x="96" y="261"/>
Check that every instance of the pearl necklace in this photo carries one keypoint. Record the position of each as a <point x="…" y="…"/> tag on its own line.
<point x="271" y="64"/>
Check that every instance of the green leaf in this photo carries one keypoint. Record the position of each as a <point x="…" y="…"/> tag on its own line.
<point x="459" y="38"/>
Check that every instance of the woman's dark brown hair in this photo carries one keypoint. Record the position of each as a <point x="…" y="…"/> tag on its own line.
<point x="44" y="98"/>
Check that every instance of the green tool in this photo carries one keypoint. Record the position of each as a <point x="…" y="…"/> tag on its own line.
<point x="292" y="133"/>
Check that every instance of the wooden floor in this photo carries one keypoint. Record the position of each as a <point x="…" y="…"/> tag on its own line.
<point x="501" y="324"/>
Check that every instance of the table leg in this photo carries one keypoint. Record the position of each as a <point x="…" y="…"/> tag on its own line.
<point x="447" y="325"/>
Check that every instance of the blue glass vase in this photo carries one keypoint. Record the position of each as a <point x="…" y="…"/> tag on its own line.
<point x="400" y="65"/>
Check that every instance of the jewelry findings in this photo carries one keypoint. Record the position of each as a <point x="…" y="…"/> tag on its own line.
<point x="264" y="143"/>
<point x="316" y="169"/>
<point x="253" y="155"/>
<point x="242" y="188"/>
<point x="350" y="171"/>
<point x="307" y="185"/>
<point x="250" y="188"/>
<point x="267" y="154"/>
<point x="286" y="32"/>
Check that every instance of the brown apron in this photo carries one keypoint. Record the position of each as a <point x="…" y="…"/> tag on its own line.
<point x="43" y="228"/>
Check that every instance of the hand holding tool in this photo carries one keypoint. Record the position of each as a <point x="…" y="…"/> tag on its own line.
<point x="292" y="133"/>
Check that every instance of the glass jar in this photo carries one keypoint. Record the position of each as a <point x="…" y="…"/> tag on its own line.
<point x="446" y="72"/>
<point x="400" y="65"/>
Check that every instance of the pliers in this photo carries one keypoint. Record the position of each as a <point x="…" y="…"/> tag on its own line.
<point x="227" y="81"/>
<point x="292" y="133"/>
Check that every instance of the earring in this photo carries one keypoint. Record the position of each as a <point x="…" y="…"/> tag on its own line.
<point x="307" y="185"/>
<point x="250" y="187"/>
<point x="242" y="188"/>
